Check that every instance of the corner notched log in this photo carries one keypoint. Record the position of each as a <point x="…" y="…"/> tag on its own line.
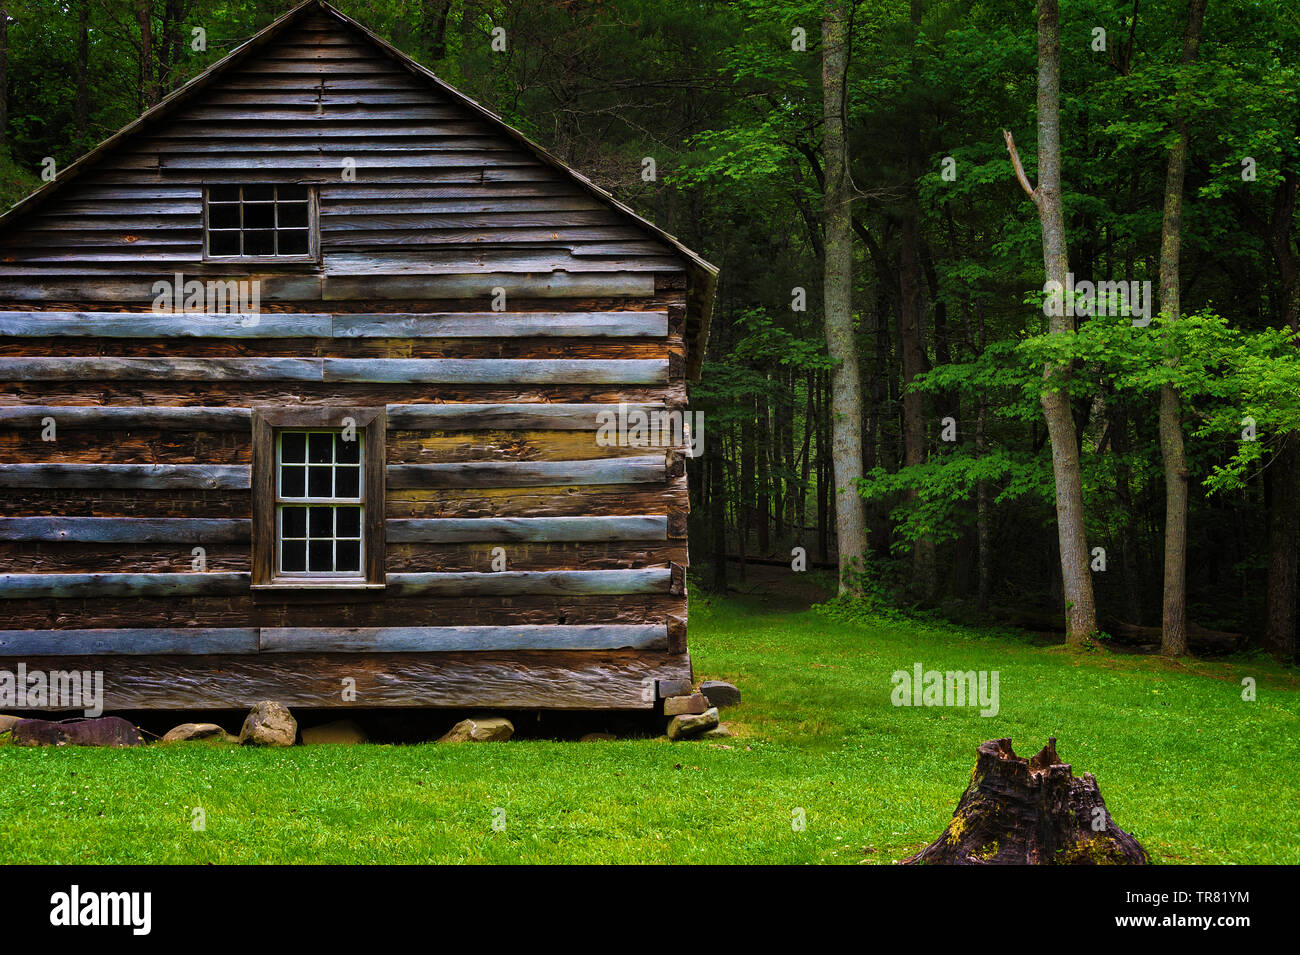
<point x="1030" y="812"/>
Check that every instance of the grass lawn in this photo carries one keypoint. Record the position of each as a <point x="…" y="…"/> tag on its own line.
<point x="1196" y="773"/>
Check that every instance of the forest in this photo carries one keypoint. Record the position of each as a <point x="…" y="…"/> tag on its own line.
<point x="1009" y="304"/>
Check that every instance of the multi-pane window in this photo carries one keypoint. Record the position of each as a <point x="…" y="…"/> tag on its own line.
<point x="244" y="221"/>
<point x="318" y="498"/>
<point x="319" y="502"/>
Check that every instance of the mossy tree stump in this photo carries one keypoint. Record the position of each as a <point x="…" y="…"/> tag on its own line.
<point x="1030" y="812"/>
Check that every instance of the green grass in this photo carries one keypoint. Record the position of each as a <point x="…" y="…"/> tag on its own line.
<point x="1196" y="773"/>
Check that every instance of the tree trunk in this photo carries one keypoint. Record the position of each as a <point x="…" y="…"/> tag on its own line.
<point x="148" y="84"/>
<point x="1119" y="441"/>
<point x="4" y="78"/>
<point x="81" y="106"/>
<point x="793" y="489"/>
<point x="745" y="508"/>
<point x="1283" y="500"/>
<point x="1282" y="477"/>
<point x="824" y="481"/>
<point x="763" y="478"/>
<point x="805" y="454"/>
<point x="911" y="345"/>
<point x="983" y="507"/>
<point x="173" y="44"/>
<point x="1020" y="811"/>
<point x="846" y="380"/>
<point x="1173" y="641"/>
<point x="433" y="28"/>
<point x="1076" y="575"/>
<point x="718" y="515"/>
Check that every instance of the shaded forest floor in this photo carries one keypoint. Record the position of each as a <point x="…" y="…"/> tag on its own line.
<point x="1195" y="772"/>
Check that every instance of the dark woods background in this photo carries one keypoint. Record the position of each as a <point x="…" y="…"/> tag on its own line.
<point x="947" y="269"/>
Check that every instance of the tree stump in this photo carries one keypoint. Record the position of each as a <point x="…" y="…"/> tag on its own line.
<point x="1030" y="812"/>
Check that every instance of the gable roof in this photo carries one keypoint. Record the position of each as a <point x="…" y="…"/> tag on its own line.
<point x="702" y="275"/>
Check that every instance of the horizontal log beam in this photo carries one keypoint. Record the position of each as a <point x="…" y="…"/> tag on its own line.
<point x="66" y="368"/>
<point x="139" y="476"/>
<point x="538" y="416"/>
<point x="16" y="586"/>
<point x="246" y="640"/>
<point x="501" y="529"/>
<point x="129" y="416"/>
<point x="43" y="324"/>
<point x="521" y="680"/>
<point x="448" y="639"/>
<point x="459" y="285"/>
<point x="508" y="417"/>
<point x="521" y="371"/>
<point x="653" y="580"/>
<point x="183" y="640"/>
<point x="374" y="370"/>
<point x="126" y="530"/>
<point x="165" y="324"/>
<point x="502" y="325"/>
<point x="544" y="582"/>
<point x="641" y="469"/>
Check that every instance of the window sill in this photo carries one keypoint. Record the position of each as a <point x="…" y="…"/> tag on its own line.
<point x="297" y="583"/>
<point x="238" y="265"/>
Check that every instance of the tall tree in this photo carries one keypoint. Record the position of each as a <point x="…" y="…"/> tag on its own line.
<point x="81" y="107"/>
<point x="846" y="381"/>
<point x="911" y="326"/>
<point x="148" y="76"/>
<point x="4" y="77"/>
<point x="1076" y="575"/>
<point x="1173" y="638"/>
<point x="433" y="28"/>
<point x="1283" y="474"/>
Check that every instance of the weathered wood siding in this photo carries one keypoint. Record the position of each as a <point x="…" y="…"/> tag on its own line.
<point x="492" y="415"/>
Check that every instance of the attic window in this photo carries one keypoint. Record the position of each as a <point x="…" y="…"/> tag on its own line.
<point x="274" y="221"/>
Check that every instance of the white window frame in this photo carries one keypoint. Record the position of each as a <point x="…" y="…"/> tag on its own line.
<point x="309" y="502"/>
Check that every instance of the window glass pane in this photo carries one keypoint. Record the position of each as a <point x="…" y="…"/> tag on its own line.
<point x="348" y="452"/>
<point x="320" y="557"/>
<point x="347" y="521"/>
<point x="349" y="556"/>
<point x="293" y="522"/>
<point x="223" y="193"/>
<point x="223" y="217"/>
<point x="320" y="448"/>
<point x="319" y="483"/>
<point x="293" y="482"/>
<point x="293" y="215"/>
<point x="292" y="193"/>
<point x="322" y="522"/>
<point x="259" y="215"/>
<point x="294" y="557"/>
<point x="223" y="243"/>
<point x="293" y="446"/>
<point x="293" y="242"/>
<point x="259" y="241"/>
<point x="347" y="482"/>
<point x="258" y="193"/>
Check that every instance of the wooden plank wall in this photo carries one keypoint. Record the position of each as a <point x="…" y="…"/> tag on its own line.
<point x="492" y="415"/>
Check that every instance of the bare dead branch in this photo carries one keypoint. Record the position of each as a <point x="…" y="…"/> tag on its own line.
<point x="1020" y="169"/>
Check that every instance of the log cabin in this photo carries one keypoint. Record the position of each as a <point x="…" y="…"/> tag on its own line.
<point x="305" y="373"/>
